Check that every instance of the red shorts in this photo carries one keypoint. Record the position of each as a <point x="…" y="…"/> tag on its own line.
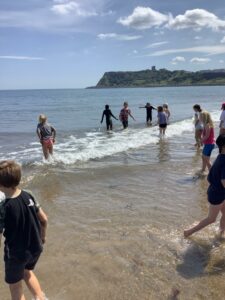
<point x="48" y="142"/>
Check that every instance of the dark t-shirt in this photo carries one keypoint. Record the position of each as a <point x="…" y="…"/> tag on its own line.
<point x="45" y="130"/>
<point x="21" y="226"/>
<point x="216" y="174"/>
<point x="149" y="110"/>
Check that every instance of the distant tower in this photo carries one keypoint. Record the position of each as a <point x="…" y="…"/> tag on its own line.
<point x="153" y="68"/>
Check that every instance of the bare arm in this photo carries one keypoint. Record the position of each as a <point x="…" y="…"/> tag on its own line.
<point x="38" y="133"/>
<point x="223" y="182"/>
<point x="113" y="115"/>
<point x="102" y="116"/>
<point x="44" y="222"/>
<point x="0" y="239"/>
<point x="131" y="115"/>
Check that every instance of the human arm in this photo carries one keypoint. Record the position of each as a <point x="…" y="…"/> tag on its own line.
<point x="102" y="116"/>
<point x="111" y="114"/>
<point x="53" y="133"/>
<point x="131" y="115"/>
<point x="44" y="222"/>
<point x="38" y="131"/>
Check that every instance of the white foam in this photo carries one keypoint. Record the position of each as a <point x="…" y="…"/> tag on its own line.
<point x="96" y="145"/>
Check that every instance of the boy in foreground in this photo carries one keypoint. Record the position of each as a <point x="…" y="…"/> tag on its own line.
<point x="23" y="224"/>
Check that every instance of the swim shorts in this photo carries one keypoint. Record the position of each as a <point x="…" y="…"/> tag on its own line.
<point x="14" y="267"/>
<point x="48" y="142"/>
<point x="207" y="150"/>
<point x="162" y="125"/>
<point x="214" y="197"/>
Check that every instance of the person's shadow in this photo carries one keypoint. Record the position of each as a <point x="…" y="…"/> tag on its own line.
<point x="197" y="258"/>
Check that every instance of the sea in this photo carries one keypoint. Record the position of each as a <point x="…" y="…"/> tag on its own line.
<point x="117" y="202"/>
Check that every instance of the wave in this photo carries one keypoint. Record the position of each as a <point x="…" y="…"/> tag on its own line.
<point x="97" y="145"/>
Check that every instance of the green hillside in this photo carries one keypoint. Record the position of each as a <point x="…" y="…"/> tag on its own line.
<point x="162" y="77"/>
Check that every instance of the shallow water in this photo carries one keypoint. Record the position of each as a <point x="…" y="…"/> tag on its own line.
<point x="117" y="205"/>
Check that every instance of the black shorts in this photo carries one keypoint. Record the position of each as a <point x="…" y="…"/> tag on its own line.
<point x="15" y="267"/>
<point x="162" y="125"/>
<point x="215" y="198"/>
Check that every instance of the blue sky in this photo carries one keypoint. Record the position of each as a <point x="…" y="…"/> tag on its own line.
<point x="71" y="43"/>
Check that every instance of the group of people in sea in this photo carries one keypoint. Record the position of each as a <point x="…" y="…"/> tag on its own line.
<point x="205" y="136"/>
<point x="125" y="113"/>
<point x="23" y="222"/>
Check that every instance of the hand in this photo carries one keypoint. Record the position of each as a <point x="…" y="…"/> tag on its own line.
<point x="43" y="239"/>
<point x="101" y="122"/>
<point x="41" y="141"/>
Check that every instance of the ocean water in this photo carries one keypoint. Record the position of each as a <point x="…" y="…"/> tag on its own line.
<point x="117" y="202"/>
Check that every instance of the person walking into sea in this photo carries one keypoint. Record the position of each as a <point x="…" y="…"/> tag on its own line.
<point x="222" y="119"/>
<point x="23" y="224"/>
<point x="167" y="111"/>
<point x="124" y="114"/>
<point x="162" y="120"/>
<point x="149" y="109"/>
<point x="108" y="114"/>
<point x="46" y="134"/>
<point x="207" y="140"/>
<point x="215" y="192"/>
<point x="198" y="125"/>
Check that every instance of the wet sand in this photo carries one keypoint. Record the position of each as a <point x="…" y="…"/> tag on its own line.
<point x="115" y="231"/>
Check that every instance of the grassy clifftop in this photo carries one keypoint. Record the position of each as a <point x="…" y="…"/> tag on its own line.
<point x="162" y="77"/>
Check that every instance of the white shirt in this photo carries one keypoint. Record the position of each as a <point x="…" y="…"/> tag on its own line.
<point x="222" y="119"/>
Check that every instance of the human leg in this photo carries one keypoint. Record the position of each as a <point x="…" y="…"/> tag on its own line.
<point x="45" y="151"/>
<point x="33" y="285"/>
<point x="16" y="290"/>
<point x="211" y="218"/>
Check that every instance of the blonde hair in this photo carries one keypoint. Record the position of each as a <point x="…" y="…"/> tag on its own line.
<point x="42" y="118"/>
<point x="206" y="119"/>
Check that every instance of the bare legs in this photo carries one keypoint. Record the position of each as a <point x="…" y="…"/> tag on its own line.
<point x="198" y="135"/>
<point x="205" y="163"/>
<point x="47" y="149"/>
<point x="211" y="218"/>
<point x="32" y="283"/>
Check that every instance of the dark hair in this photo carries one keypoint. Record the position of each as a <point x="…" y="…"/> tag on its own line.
<point x="10" y="173"/>
<point x="107" y="106"/>
<point x="220" y="141"/>
<point x="148" y="104"/>
<point x="197" y="107"/>
<point x="160" y="108"/>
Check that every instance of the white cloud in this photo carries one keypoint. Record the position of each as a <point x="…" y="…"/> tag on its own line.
<point x="15" y="57"/>
<point x="178" y="59"/>
<point x="135" y="52"/>
<point x="221" y="61"/>
<point x="143" y="18"/>
<point x="208" y="50"/>
<point x="120" y="37"/>
<point x="200" y="60"/>
<point x="71" y="7"/>
<point x="222" y="41"/>
<point x="197" y="19"/>
<point x="155" y="45"/>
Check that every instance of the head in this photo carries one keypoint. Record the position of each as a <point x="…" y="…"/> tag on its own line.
<point x="42" y="118"/>
<point x="220" y="141"/>
<point x="125" y="104"/>
<point x="205" y="118"/>
<point x="223" y="106"/>
<point x="165" y="106"/>
<point x="10" y="174"/>
<point x="197" y="108"/>
<point x="160" y="108"/>
<point x="148" y="104"/>
<point x="106" y="106"/>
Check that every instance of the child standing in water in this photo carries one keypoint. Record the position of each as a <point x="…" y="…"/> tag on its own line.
<point x="208" y="139"/>
<point x="124" y="114"/>
<point x="162" y="120"/>
<point x="108" y="114"/>
<point x="46" y="134"/>
<point x="198" y="125"/>
<point x="222" y="119"/>
<point x="23" y="224"/>
<point x="216" y="192"/>
<point x="149" y="109"/>
<point x="167" y="111"/>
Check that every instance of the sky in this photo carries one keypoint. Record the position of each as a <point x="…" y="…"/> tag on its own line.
<point x="72" y="43"/>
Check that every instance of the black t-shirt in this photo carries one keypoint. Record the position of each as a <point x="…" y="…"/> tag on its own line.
<point x="216" y="174"/>
<point x="149" y="109"/>
<point x="21" y="225"/>
<point x="108" y="114"/>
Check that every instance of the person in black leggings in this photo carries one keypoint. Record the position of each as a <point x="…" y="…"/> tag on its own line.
<point x="108" y="114"/>
<point x="149" y="109"/>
